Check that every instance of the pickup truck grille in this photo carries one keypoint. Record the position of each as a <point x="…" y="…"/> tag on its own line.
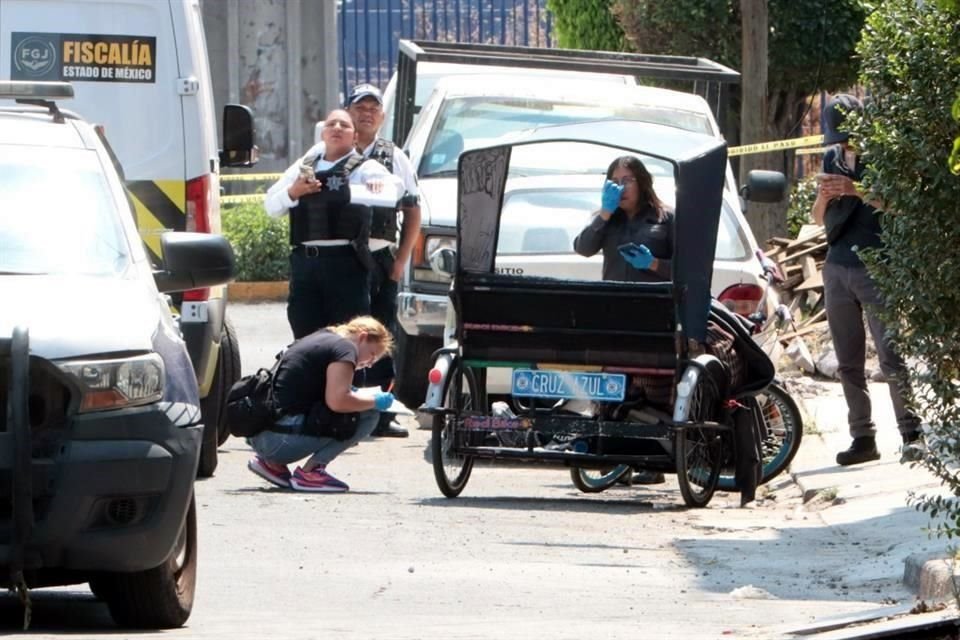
<point x="49" y="399"/>
<point x="47" y="407"/>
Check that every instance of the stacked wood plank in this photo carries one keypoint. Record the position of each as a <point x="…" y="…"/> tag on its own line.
<point x="801" y="261"/>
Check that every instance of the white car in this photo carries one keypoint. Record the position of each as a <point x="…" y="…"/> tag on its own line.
<point x="477" y="111"/>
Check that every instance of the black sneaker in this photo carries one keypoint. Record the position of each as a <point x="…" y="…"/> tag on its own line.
<point x="863" y="449"/>
<point x="648" y="477"/>
<point x="391" y="429"/>
<point x="913" y="447"/>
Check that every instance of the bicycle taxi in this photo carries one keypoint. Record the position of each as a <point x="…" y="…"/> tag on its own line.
<point x="579" y="352"/>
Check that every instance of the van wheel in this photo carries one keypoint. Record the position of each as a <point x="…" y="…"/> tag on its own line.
<point x="230" y="363"/>
<point x="412" y="359"/>
<point x="158" y="598"/>
<point x="210" y="409"/>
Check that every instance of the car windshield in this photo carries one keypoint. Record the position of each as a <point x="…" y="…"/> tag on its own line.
<point x="57" y="214"/>
<point x="471" y="123"/>
<point x="545" y="221"/>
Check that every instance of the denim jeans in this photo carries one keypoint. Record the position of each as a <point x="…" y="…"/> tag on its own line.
<point x="286" y="448"/>
<point x="851" y="295"/>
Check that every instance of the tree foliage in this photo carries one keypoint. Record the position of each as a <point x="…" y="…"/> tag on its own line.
<point x="586" y="24"/>
<point x="811" y="43"/>
<point x="911" y="69"/>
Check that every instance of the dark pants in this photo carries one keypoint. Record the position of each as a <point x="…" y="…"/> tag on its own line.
<point x="850" y="293"/>
<point x="328" y="285"/>
<point x="383" y="307"/>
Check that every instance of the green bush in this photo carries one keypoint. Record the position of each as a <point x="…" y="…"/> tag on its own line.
<point x="911" y="69"/>
<point x="801" y="205"/>
<point x="261" y="243"/>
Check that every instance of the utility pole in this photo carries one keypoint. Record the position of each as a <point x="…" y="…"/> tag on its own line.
<point x="755" y="28"/>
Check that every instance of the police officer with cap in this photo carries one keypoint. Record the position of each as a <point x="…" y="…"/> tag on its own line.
<point x="390" y="252"/>
<point x="327" y="194"/>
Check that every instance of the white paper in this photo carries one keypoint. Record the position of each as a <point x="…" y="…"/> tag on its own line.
<point x="387" y="197"/>
<point x="397" y="407"/>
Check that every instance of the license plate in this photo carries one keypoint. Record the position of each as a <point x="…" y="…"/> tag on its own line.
<point x="530" y="383"/>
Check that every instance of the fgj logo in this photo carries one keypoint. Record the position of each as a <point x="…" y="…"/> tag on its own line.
<point x="34" y="57"/>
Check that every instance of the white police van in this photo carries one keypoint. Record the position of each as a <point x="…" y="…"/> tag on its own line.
<point x="139" y="69"/>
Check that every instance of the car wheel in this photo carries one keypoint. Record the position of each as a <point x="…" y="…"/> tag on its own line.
<point x="158" y="598"/>
<point x="412" y="359"/>
<point x="230" y="363"/>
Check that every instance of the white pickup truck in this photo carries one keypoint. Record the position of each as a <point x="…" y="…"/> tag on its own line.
<point x="475" y="109"/>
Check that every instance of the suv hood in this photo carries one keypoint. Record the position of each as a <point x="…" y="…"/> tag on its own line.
<point x="70" y="316"/>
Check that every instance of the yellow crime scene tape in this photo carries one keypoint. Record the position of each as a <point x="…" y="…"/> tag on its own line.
<point x="244" y="177"/>
<point x="759" y="147"/>
<point x="240" y="199"/>
<point x="776" y="145"/>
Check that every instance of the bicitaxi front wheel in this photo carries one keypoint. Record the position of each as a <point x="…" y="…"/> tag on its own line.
<point x="452" y="469"/>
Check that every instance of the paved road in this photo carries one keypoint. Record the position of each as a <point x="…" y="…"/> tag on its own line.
<point x="521" y="554"/>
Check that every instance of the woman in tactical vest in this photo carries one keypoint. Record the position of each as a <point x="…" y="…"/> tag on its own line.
<point x="329" y="227"/>
<point x="321" y="413"/>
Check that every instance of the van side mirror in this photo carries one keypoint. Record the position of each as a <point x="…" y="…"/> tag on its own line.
<point x="238" y="133"/>
<point x="194" y="261"/>
<point x="764" y="186"/>
<point x="443" y="262"/>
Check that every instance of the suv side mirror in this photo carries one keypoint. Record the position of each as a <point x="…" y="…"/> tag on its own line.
<point x="238" y="147"/>
<point x="443" y="261"/>
<point x="194" y="261"/>
<point x="764" y="186"/>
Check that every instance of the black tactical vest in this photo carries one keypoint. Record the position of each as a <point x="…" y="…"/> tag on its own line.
<point x="384" y="224"/>
<point x="329" y="214"/>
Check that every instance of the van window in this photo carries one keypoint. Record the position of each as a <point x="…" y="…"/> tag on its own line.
<point x="57" y="214"/>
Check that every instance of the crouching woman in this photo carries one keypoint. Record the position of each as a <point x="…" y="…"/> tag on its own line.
<point x="321" y="414"/>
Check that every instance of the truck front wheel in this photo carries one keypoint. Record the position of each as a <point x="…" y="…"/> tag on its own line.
<point x="158" y="598"/>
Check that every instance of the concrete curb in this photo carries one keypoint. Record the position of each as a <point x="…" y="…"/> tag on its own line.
<point x="933" y="576"/>
<point x="253" y="292"/>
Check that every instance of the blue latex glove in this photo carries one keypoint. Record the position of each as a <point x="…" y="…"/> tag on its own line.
<point x="383" y="400"/>
<point x="610" y="198"/>
<point x="637" y="255"/>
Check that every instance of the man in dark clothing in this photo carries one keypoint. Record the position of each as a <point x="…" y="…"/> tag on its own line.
<point x="853" y="224"/>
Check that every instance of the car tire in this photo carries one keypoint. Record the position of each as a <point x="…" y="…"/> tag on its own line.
<point x="231" y="366"/>
<point x="413" y="359"/>
<point x="158" y="598"/>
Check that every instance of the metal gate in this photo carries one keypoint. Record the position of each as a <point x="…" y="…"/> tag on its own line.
<point x="370" y="29"/>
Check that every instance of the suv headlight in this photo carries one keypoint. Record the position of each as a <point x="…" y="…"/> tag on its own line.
<point x="113" y="384"/>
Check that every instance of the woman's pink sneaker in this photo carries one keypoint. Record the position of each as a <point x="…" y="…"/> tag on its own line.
<point x="316" y="480"/>
<point x="272" y="472"/>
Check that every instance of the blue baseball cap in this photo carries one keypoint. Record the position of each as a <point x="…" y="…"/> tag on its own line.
<point x="362" y="91"/>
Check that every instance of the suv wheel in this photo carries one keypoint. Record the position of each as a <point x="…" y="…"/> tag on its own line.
<point x="158" y="598"/>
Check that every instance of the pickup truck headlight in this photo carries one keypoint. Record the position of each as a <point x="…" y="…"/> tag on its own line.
<point x="421" y="265"/>
<point x="117" y="383"/>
